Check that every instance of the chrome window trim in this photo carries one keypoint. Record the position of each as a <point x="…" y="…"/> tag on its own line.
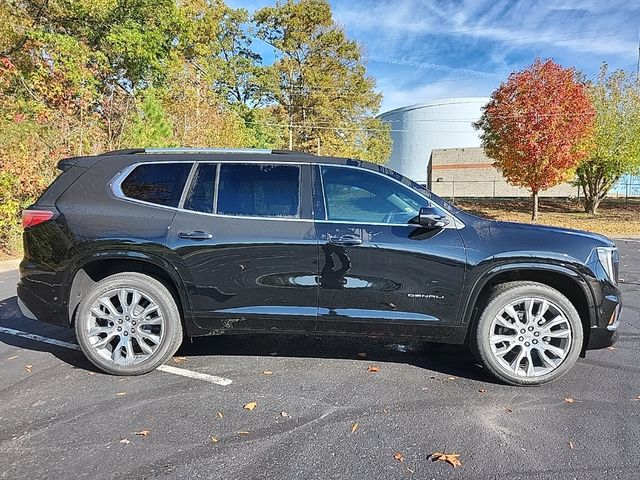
<point x="119" y="177"/>
<point x="187" y="184"/>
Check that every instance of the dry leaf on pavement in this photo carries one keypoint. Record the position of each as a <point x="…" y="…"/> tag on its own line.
<point x="398" y="456"/>
<point x="143" y="433"/>
<point x="354" y="427"/>
<point x="373" y="369"/>
<point x="28" y="368"/>
<point x="220" y="414"/>
<point x="509" y="410"/>
<point x="242" y="433"/>
<point x="126" y="441"/>
<point x="285" y="415"/>
<point x="179" y="359"/>
<point x="572" y="445"/>
<point x="91" y="373"/>
<point x="451" y="378"/>
<point x="482" y="390"/>
<point x="213" y="439"/>
<point x="13" y="358"/>
<point x="267" y="372"/>
<point x="452" y="459"/>
<point x="121" y="394"/>
<point x="250" y="406"/>
<point x="569" y="400"/>
<point x="612" y="348"/>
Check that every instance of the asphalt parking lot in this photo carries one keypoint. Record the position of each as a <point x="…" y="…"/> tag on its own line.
<point x="320" y="413"/>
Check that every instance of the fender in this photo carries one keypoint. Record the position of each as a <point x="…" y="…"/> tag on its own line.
<point x="574" y="276"/>
<point x="120" y="254"/>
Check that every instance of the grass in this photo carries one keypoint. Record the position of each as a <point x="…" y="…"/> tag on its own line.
<point x="615" y="218"/>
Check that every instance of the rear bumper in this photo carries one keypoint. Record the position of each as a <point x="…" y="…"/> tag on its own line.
<point x="34" y="307"/>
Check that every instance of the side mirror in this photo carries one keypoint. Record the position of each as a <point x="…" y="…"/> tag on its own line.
<point x="430" y="217"/>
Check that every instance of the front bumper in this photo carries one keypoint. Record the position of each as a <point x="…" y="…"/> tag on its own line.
<point x="604" y="332"/>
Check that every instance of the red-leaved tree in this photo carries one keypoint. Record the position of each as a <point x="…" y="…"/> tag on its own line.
<point x="536" y="125"/>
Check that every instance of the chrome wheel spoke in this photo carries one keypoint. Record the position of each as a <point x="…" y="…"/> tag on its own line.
<point x="115" y="342"/>
<point x="536" y="343"/>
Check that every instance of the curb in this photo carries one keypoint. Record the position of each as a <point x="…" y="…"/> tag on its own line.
<point x="8" y="265"/>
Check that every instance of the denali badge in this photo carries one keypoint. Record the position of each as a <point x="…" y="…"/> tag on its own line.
<point x="421" y="295"/>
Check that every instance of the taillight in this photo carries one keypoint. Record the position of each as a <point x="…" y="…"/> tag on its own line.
<point x="31" y="218"/>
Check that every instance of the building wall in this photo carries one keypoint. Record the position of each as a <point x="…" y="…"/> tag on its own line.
<point x="468" y="172"/>
<point x="416" y="130"/>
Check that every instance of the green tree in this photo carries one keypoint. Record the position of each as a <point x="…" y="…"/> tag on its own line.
<point x="150" y="127"/>
<point x="615" y="146"/>
<point x="324" y="96"/>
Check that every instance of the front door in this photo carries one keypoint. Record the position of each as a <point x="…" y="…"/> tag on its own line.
<point x="379" y="273"/>
<point x="246" y="244"/>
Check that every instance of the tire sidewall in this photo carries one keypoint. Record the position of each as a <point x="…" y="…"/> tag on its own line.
<point x="483" y="345"/>
<point x="159" y="293"/>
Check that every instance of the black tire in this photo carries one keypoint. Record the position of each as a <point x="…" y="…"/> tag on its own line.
<point x="171" y="337"/>
<point x="500" y="297"/>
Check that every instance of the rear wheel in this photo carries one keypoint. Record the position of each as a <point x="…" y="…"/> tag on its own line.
<point x="528" y="334"/>
<point x="128" y="324"/>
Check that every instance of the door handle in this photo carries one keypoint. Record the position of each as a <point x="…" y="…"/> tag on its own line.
<point x="196" y="235"/>
<point x="344" y="240"/>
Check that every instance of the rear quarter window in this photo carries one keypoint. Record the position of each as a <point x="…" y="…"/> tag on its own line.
<point x="158" y="183"/>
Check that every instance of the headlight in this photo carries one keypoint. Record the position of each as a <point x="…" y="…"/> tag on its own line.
<point x="609" y="259"/>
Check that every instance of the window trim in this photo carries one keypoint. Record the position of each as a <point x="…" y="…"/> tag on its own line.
<point x="119" y="177"/>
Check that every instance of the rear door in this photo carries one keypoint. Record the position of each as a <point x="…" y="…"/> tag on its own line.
<point x="379" y="272"/>
<point x="246" y="242"/>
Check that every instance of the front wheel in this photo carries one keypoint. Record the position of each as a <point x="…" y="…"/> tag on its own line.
<point x="128" y="324"/>
<point x="528" y="334"/>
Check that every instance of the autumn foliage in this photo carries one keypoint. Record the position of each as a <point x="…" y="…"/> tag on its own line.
<point x="536" y="125"/>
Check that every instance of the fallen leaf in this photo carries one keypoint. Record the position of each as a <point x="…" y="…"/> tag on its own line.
<point x="242" y="433"/>
<point x="91" y="373"/>
<point x="267" y="372"/>
<point x="220" y="414"/>
<point x="385" y="411"/>
<point x="410" y="470"/>
<point x="13" y="358"/>
<point x="638" y="397"/>
<point x="28" y="368"/>
<point x="361" y="355"/>
<point x="451" y="378"/>
<point x="285" y="414"/>
<point x="121" y="394"/>
<point x="143" y="433"/>
<point x="373" y="369"/>
<point x="179" y="359"/>
<point x="250" y="406"/>
<point x="452" y="459"/>
<point x="569" y="400"/>
<point x="509" y="410"/>
<point x="354" y="427"/>
<point x="572" y="445"/>
<point x="611" y="348"/>
<point x="125" y="441"/>
<point x="482" y="390"/>
<point x="398" y="456"/>
<point x="213" y="439"/>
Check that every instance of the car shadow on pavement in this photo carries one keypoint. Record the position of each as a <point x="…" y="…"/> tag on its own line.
<point x="440" y="358"/>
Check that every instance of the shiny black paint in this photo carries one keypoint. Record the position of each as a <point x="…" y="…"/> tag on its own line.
<point x="286" y="275"/>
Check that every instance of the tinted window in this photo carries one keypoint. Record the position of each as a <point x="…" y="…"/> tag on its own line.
<point x="160" y="183"/>
<point x="361" y="197"/>
<point x="200" y="195"/>
<point x="259" y="190"/>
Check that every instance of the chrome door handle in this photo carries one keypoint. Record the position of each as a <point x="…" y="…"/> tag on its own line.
<point x="195" y="235"/>
<point x="344" y="240"/>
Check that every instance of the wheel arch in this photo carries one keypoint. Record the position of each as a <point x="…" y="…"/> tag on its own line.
<point x="568" y="282"/>
<point x="90" y="269"/>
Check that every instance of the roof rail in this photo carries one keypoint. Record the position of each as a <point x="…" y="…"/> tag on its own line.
<point x="178" y="150"/>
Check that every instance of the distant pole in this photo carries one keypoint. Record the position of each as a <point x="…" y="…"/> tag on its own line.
<point x="318" y="145"/>
<point x="290" y="137"/>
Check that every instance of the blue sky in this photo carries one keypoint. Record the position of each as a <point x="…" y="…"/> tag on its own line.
<point x="419" y="50"/>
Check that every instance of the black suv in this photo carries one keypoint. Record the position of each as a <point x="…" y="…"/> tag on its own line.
<point x="136" y="248"/>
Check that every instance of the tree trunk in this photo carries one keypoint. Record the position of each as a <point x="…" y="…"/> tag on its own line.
<point x="534" y="214"/>
<point x="591" y="205"/>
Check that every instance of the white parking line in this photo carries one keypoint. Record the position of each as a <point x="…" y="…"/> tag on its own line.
<point x="183" y="372"/>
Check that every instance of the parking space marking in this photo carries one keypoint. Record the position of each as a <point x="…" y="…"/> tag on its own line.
<point x="199" y="376"/>
<point x="39" y="338"/>
<point x="183" y="372"/>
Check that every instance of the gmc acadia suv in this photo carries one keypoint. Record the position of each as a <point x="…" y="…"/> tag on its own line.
<point x="135" y="248"/>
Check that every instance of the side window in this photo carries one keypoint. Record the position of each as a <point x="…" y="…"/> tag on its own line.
<point x="259" y="190"/>
<point x="160" y="183"/>
<point x="358" y="196"/>
<point x="200" y="194"/>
